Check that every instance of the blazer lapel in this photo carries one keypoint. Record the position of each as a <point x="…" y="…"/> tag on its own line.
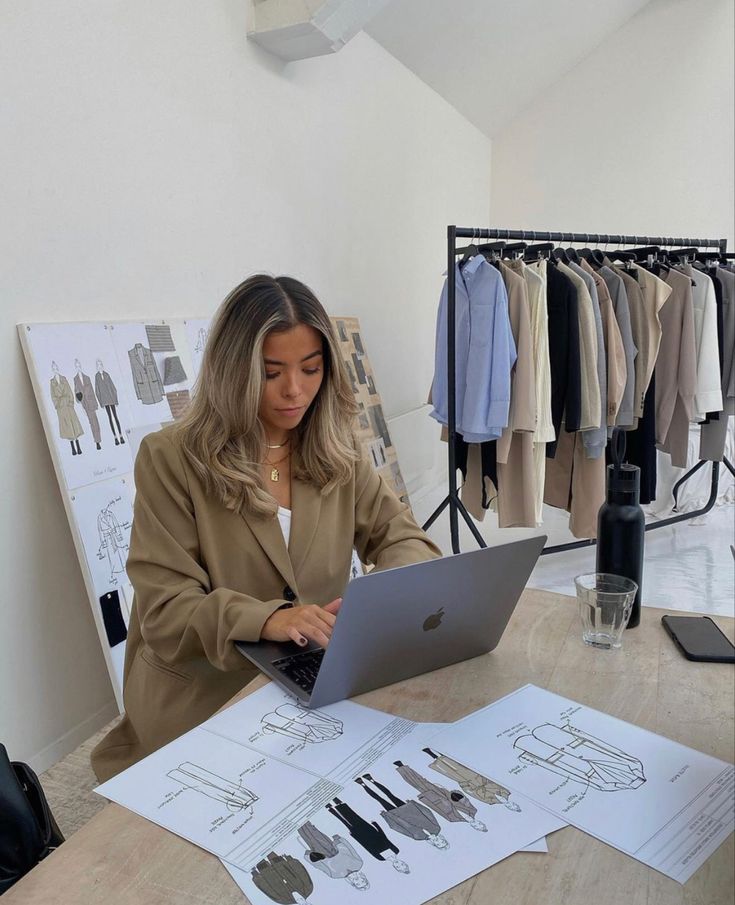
<point x="306" y="504"/>
<point x="268" y="533"/>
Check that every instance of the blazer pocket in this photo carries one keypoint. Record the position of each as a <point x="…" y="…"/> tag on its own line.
<point x="153" y="661"/>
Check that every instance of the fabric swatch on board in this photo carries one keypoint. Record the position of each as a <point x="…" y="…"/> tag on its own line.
<point x="159" y="338"/>
<point x="178" y="401"/>
<point x="173" y="371"/>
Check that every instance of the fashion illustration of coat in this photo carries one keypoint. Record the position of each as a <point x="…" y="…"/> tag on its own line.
<point x="280" y="876"/>
<point x="146" y="377"/>
<point x="206" y="576"/>
<point x="63" y="400"/>
<point x="105" y="388"/>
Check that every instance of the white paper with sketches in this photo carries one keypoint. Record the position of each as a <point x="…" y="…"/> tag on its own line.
<point x="654" y="799"/>
<point x="412" y="826"/>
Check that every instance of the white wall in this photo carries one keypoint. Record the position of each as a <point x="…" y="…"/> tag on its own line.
<point x="638" y="138"/>
<point x="150" y="159"/>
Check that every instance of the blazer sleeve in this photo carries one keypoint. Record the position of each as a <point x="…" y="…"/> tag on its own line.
<point x="181" y="616"/>
<point x="386" y="533"/>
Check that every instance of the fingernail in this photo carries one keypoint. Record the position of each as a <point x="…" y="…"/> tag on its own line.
<point x="302" y="641"/>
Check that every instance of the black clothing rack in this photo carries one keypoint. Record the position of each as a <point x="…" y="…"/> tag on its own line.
<point x="452" y="499"/>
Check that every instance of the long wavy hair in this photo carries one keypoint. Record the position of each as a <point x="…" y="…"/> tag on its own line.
<point x="221" y="433"/>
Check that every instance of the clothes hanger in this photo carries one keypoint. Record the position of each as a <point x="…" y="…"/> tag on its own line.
<point x="516" y="249"/>
<point x="572" y="253"/>
<point x="536" y="252"/>
<point x="469" y="251"/>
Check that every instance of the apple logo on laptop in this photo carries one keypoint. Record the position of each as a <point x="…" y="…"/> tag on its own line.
<point x="434" y="621"/>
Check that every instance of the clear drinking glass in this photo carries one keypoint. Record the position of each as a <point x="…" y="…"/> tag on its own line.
<point x="605" y="602"/>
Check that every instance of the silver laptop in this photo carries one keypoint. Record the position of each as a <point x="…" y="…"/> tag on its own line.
<point x="399" y="623"/>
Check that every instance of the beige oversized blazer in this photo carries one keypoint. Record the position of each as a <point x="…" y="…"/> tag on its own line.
<point x="206" y="576"/>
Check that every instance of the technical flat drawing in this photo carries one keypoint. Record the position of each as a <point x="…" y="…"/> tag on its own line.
<point x="113" y="544"/>
<point x="575" y="754"/>
<point x="84" y="394"/>
<point x="333" y="856"/>
<point x="471" y="782"/>
<point x="283" y="879"/>
<point x="302" y="725"/>
<point x="234" y="795"/>
<point x="106" y="393"/>
<point x="201" y="341"/>
<point x="70" y="427"/>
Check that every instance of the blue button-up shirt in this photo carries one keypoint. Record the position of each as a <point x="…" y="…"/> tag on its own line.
<point x="485" y="353"/>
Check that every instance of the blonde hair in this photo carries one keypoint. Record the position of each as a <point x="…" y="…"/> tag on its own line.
<point x="221" y="433"/>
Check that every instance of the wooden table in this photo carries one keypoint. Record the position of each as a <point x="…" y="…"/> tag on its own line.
<point x="119" y="857"/>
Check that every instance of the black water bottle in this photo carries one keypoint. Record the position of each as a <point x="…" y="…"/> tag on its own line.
<point x="621" y="525"/>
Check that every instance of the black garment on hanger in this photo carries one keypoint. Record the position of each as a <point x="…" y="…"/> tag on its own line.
<point x="641" y="445"/>
<point x="489" y="459"/>
<point x="566" y="379"/>
<point x="717" y="283"/>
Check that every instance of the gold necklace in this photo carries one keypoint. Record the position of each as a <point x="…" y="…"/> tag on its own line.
<point x="275" y="473"/>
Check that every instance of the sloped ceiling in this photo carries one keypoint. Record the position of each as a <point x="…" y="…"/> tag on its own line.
<point x="491" y="59"/>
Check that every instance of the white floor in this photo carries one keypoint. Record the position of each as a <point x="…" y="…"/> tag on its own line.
<point x="688" y="566"/>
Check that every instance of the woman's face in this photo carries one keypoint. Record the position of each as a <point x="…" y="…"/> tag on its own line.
<point x="294" y="370"/>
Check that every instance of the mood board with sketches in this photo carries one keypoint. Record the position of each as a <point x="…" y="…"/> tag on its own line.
<point x="100" y="388"/>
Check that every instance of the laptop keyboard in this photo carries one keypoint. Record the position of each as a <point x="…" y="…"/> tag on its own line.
<point x="302" y="668"/>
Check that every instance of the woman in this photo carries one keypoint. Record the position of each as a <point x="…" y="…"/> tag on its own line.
<point x="246" y="515"/>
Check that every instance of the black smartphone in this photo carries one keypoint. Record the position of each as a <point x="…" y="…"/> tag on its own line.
<point x="698" y="638"/>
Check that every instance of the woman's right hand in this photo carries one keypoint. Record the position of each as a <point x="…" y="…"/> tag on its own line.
<point x="302" y="624"/>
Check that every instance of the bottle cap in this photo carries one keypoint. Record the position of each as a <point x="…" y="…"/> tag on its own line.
<point x="623" y="479"/>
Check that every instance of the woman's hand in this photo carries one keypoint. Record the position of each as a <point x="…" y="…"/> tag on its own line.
<point x="302" y="624"/>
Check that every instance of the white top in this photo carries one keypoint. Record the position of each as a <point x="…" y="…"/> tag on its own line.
<point x="284" y="517"/>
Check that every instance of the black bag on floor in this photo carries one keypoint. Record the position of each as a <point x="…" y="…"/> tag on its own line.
<point x="28" y="831"/>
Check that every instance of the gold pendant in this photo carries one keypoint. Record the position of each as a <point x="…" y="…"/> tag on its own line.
<point x="275" y="474"/>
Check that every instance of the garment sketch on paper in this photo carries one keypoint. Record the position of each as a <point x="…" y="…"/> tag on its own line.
<point x="451" y="804"/>
<point x="106" y="392"/>
<point x="173" y="371"/>
<point x="369" y="836"/>
<point x="234" y="795"/>
<point x="470" y="782"/>
<point x="70" y="427"/>
<point x="113" y="541"/>
<point x="85" y="396"/>
<point x="146" y="377"/>
<point x="201" y="340"/>
<point x="411" y="818"/>
<point x="283" y="879"/>
<point x="302" y="725"/>
<point x="159" y="338"/>
<point x="333" y="856"/>
<point x="572" y="753"/>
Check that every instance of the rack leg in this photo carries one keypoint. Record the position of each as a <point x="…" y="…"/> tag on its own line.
<point x="435" y="514"/>
<point x="651" y="526"/>
<point x="728" y="465"/>
<point x="470" y="524"/>
<point x="692" y="471"/>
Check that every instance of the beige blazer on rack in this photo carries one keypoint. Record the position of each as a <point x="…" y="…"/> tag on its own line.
<point x="655" y="295"/>
<point x="206" y="576"/>
<point x="676" y="370"/>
